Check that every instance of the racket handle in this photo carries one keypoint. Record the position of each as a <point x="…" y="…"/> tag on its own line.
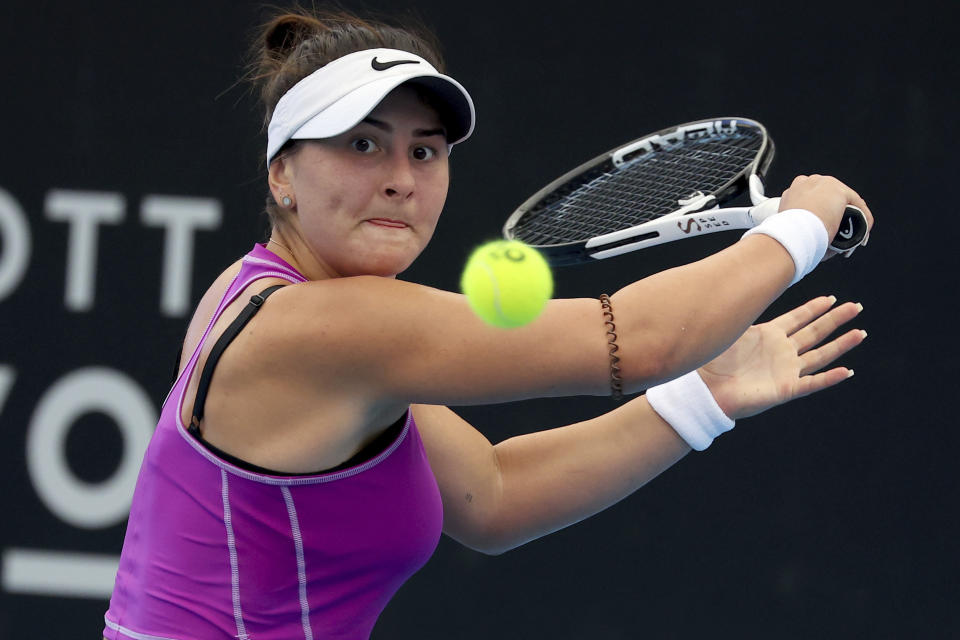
<point x="853" y="230"/>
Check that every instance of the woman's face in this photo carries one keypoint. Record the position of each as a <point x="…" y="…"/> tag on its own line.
<point x="368" y="200"/>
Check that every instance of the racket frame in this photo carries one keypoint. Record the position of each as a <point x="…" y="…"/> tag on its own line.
<point x="698" y="214"/>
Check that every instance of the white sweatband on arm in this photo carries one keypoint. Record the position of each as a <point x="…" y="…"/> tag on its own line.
<point x="688" y="406"/>
<point x="801" y="233"/>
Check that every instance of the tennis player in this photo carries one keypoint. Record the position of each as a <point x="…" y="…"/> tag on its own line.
<point x="305" y="465"/>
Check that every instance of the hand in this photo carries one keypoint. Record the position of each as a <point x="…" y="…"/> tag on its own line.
<point x="775" y="362"/>
<point x="827" y="198"/>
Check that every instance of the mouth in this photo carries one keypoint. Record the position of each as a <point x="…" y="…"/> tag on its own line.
<point x="389" y="223"/>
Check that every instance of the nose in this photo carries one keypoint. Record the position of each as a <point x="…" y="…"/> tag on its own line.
<point x="400" y="180"/>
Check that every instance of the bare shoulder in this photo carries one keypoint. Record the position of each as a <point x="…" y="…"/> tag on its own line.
<point x="205" y="308"/>
<point x="202" y="316"/>
<point x="324" y="330"/>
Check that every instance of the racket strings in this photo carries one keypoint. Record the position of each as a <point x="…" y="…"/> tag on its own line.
<point x="643" y="189"/>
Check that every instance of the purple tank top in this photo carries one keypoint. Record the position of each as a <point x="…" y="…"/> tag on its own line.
<point x="216" y="551"/>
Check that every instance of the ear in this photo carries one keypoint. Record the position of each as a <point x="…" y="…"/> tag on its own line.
<point x="279" y="177"/>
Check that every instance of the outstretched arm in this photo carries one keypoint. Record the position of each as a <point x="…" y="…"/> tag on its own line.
<point x="382" y="341"/>
<point x="499" y="497"/>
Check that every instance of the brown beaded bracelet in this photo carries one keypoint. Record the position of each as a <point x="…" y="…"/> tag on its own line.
<point x="616" y="382"/>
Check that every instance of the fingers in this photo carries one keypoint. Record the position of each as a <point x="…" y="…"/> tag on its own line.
<point x="818" y="358"/>
<point x="815" y="332"/>
<point x="821" y="381"/>
<point x="795" y="319"/>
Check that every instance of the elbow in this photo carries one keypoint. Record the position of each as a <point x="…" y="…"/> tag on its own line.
<point x="490" y="550"/>
<point x="496" y="551"/>
<point x="488" y="541"/>
<point x="492" y="547"/>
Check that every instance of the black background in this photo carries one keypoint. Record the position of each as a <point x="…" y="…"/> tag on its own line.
<point x="834" y="516"/>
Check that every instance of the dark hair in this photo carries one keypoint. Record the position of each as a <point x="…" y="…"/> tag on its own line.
<point x="295" y="43"/>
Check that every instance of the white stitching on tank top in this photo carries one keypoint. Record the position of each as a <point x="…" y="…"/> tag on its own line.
<point x="234" y="566"/>
<point x="301" y="562"/>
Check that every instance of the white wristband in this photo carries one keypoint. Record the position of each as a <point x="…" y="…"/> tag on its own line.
<point x="688" y="406"/>
<point x="801" y="233"/>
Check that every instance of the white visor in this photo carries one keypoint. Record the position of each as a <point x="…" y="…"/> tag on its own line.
<point x="336" y="97"/>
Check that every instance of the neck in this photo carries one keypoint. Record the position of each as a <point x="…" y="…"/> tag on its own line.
<point x="289" y="247"/>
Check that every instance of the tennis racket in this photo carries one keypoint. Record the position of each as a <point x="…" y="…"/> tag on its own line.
<point x="663" y="187"/>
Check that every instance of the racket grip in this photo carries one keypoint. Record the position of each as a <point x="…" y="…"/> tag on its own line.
<point x="853" y="230"/>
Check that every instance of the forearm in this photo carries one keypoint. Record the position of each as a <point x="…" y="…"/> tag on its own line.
<point x="552" y="479"/>
<point x="672" y="322"/>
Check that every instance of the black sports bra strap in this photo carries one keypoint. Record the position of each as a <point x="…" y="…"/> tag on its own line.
<point x="221" y="345"/>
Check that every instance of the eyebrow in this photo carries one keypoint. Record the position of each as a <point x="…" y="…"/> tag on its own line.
<point x="420" y="133"/>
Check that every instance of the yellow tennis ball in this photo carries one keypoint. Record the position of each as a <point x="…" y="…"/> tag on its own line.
<point x="507" y="283"/>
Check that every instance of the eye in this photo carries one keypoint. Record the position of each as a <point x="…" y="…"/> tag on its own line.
<point x="364" y="145"/>
<point x="424" y="153"/>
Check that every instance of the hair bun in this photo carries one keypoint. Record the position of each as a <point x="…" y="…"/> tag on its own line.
<point x="285" y="33"/>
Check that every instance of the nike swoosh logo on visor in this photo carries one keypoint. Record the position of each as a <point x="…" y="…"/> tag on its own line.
<point x="383" y="66"/>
